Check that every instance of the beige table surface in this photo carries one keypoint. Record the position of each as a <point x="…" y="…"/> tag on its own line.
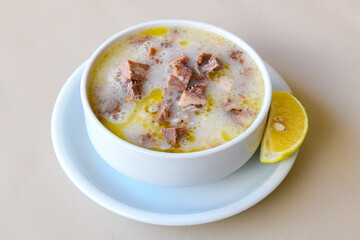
<point x="314" y="45"/>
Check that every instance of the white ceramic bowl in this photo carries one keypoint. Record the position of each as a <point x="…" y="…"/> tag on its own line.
<point x="175" y="169"/>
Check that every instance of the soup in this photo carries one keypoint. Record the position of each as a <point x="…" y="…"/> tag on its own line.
<point x="176" y="89"/>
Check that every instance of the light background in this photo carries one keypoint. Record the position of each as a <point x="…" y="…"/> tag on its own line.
<point x="314" y="45"/>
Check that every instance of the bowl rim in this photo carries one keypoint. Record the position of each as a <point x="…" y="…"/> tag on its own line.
<point x="186" y="23"/>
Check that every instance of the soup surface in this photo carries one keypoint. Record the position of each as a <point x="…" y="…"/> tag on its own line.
<point x="176" y="89"/>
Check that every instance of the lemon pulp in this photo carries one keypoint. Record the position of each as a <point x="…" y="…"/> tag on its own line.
<point x="286" y="127"/>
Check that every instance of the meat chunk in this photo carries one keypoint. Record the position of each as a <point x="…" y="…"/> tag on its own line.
<point x="248" y="71"/>
<point x="213" y="64"/>
<point x="166" y="44"/>
<point x="180" y="74"/>
<point x="134" y="89"/>
<point x="133" y="70"/>
<point x="236" y="54"/>
<point x="146" y="139"/>
<point x="199" y="77"/>
<point x="164" y="115"/>
<point x="226" y="83"/>
<point x="245" y="117"/>
<point x="173" y="135"/>
<point x="140" y="41"/>
<point x="114" y="114"/>
<point x="134" y="74"/>
<point x="242" y="116"/>
<point x="201" y="86"/>
<point x="182" y="59"/>
<point x="108" y="107"/>
<point x="116" y="109"/>
<point x="178" y="83"/>
<point x="152" y="52"/>
<point x="195" y="97"/>
<point x="231" y="107"/>
<point x="202" y="59"/>
<point x="207" y="63"/>
<point x="174" y="32"/>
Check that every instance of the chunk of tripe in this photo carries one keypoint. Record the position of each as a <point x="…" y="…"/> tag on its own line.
<point x="194" y="96"/>
<point x="173" y="134"/>
<point x="134" y="71"/>
<point x="207" y="63"/>
<point x="134" y="89"/>
<point x="245" y="117"/>
<point x="180" y="74"/>
<point x="135" y="74"/>
<point x="164" y="115"/>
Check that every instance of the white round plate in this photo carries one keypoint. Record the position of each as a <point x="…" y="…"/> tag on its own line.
<point x="154" y="204"/>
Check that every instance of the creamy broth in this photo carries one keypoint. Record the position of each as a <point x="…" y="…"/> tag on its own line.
<point x="231" y="94"/>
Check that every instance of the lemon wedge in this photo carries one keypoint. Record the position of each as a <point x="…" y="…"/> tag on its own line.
<point x="286" y="127"/>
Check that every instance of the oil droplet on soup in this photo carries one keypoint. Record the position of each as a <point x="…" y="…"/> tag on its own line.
<point x="117" y="128"/>
<point x="159" y="31"/>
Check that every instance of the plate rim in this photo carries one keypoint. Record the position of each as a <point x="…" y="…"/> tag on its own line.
<point x="99" y="195"/>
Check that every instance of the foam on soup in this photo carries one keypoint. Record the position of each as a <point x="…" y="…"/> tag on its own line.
<point x="231" y="94"/>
